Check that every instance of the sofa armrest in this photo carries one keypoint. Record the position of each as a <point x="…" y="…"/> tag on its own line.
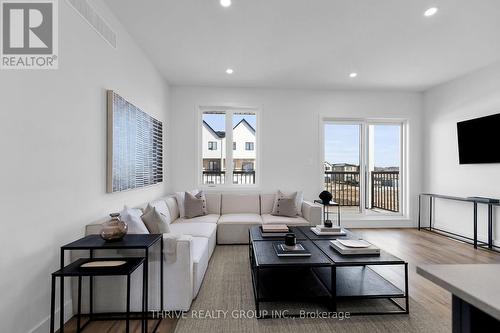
<point x="312" y="212"/>
<point x="178" y="276"/>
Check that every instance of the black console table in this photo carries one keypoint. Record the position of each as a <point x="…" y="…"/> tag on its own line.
<point x="475" y="201"/>
<point x="130" y="241"/>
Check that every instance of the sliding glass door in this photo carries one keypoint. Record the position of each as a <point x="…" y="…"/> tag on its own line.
<point x="363" y="165"/>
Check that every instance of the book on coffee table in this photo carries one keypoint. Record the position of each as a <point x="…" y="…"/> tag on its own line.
<point x="283" y="250"/>
<point x="275" y="228"/>
<point x="333" y="228"/>
<point x="334" y="232"/>
<point x="354" y="247"/>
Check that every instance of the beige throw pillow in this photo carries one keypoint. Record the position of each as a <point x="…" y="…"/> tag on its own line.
<point x="195" y="205"/>
<point x="285" y="204"/>
<point x="156" y="222"/>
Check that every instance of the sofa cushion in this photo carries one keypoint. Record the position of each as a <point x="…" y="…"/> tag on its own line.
<point x="207" y="230"/>
<point x="156" y="222"/>
<point x="210" y="218"/>
<point x="213" y="202"/>
<point x="200" y="262"/>
<point x="233" y="228"/>
<point x="172" y="207"/>
<point x="160" y="205"/>
<point x="180" y="196"/>
<point x="298" y="197"/>
<point x="195" y="205"/>
<point x="272" y="219"/>
<point x="240" y="218"/>
<point x="233" y="203"/>
<point x="285" y="204"/>
<point x="267" y="203"/>
<point x="132" y="216"/>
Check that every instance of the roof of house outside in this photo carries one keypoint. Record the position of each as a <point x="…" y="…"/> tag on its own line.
<point x="222" y="134"/>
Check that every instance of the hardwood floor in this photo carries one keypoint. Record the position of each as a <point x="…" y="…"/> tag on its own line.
<point x="416" y="247"/>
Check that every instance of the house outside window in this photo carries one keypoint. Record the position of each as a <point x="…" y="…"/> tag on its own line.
<point x="234" y="129"/>
<point x="212" y="145"/>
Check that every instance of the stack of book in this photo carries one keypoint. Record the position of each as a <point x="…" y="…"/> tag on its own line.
<point x="321" y="230"/>
<point x="298" y="250"/>
<point x="274" y="230"/>
<point x="354" y="247"/>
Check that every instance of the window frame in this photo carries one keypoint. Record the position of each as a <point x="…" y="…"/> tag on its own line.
<point x="364" y="160"/>
<point x="229" y="111"/>
<point x="249" y="146"/>
<point x="212" y="145"/>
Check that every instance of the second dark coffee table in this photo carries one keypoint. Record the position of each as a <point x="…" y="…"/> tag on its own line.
<point x="326" y="276"/>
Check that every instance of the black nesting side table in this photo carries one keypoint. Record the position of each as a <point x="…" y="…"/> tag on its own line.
<point x="75" y="270"/>
<point x="130" y="241"/>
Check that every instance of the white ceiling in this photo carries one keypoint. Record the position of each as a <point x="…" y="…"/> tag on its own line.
<point x="314" y="43"/>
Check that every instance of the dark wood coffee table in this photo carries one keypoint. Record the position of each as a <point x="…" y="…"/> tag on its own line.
<point x="326" y="276"/>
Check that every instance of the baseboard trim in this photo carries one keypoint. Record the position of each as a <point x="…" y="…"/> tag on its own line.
<point x="44" y="325"/>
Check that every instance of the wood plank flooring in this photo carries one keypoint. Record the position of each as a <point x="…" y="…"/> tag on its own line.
<point x="416" y="247"/>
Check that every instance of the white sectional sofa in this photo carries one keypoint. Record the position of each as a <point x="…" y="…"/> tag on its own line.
<point x="229" y="217"/>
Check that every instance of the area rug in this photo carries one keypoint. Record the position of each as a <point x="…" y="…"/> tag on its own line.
<point x="225" y="304"/>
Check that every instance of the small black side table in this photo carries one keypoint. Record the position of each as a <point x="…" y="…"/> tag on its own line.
<point x="130" y="241"/>
<point x="326" y="210"/>
<point x="75" y="270"/>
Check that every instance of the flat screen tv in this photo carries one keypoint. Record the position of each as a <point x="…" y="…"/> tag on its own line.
<point x="479" y="139"/>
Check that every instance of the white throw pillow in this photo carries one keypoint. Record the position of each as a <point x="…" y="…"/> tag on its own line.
<point x="180" y="197"/>
<point x="156" y="222"/>
<point x="161" y="207"/>
<point x="299" y="197"/>
<point x="132" y="216"/>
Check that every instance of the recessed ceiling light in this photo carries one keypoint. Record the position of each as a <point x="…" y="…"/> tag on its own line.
<point x="353" y="75"/>
<point x="431" y="11"/>
<point x="225" y="3"/>
<point x="229" y="71"/>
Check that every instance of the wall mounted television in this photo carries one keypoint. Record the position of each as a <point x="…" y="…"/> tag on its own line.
<point x="479" y="139"/>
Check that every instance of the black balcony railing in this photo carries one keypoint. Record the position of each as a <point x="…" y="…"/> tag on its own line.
<point x="240" y="177"/>
<point x="385" y="190"/>
<point x="345" y="188"/>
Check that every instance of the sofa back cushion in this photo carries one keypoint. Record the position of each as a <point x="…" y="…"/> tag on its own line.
<point x="213" y="202"/>
<point x="267" y="203"/>
<point x="234" y="203"/>
<point x="172" y="207"/>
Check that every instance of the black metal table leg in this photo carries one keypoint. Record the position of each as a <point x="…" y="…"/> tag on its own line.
<point x="127" y="325"/>
<point x="257" y="305"/>
<point x="490" y="226"/>
<point x="430" y="213"/>
<point x="333" y="288"/>
<point x="338" y="214"/>
<point x="79" y="306"/>
<point x="161" y="276"/>
<point x="475" y="225"/>
<point x="61" y="305"/>
<point x="91" y="290"/>
<point x="146" y="280"/>
<point x="419" y="200"/>
<point x="52" y="303"/>
<point x="407" y="296"/>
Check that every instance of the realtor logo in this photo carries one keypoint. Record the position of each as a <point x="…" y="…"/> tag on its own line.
<point x="29" y="34"/>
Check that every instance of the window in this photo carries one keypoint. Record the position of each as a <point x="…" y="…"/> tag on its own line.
<point x="221" y="165"/>
<point x="212" y="145"/>
<point x="363" y="165"/>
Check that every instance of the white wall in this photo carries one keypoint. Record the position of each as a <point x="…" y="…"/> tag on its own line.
<point x="289" y="125"/>
<point x="53" y="157"/>
<point x="471" y="96"/>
